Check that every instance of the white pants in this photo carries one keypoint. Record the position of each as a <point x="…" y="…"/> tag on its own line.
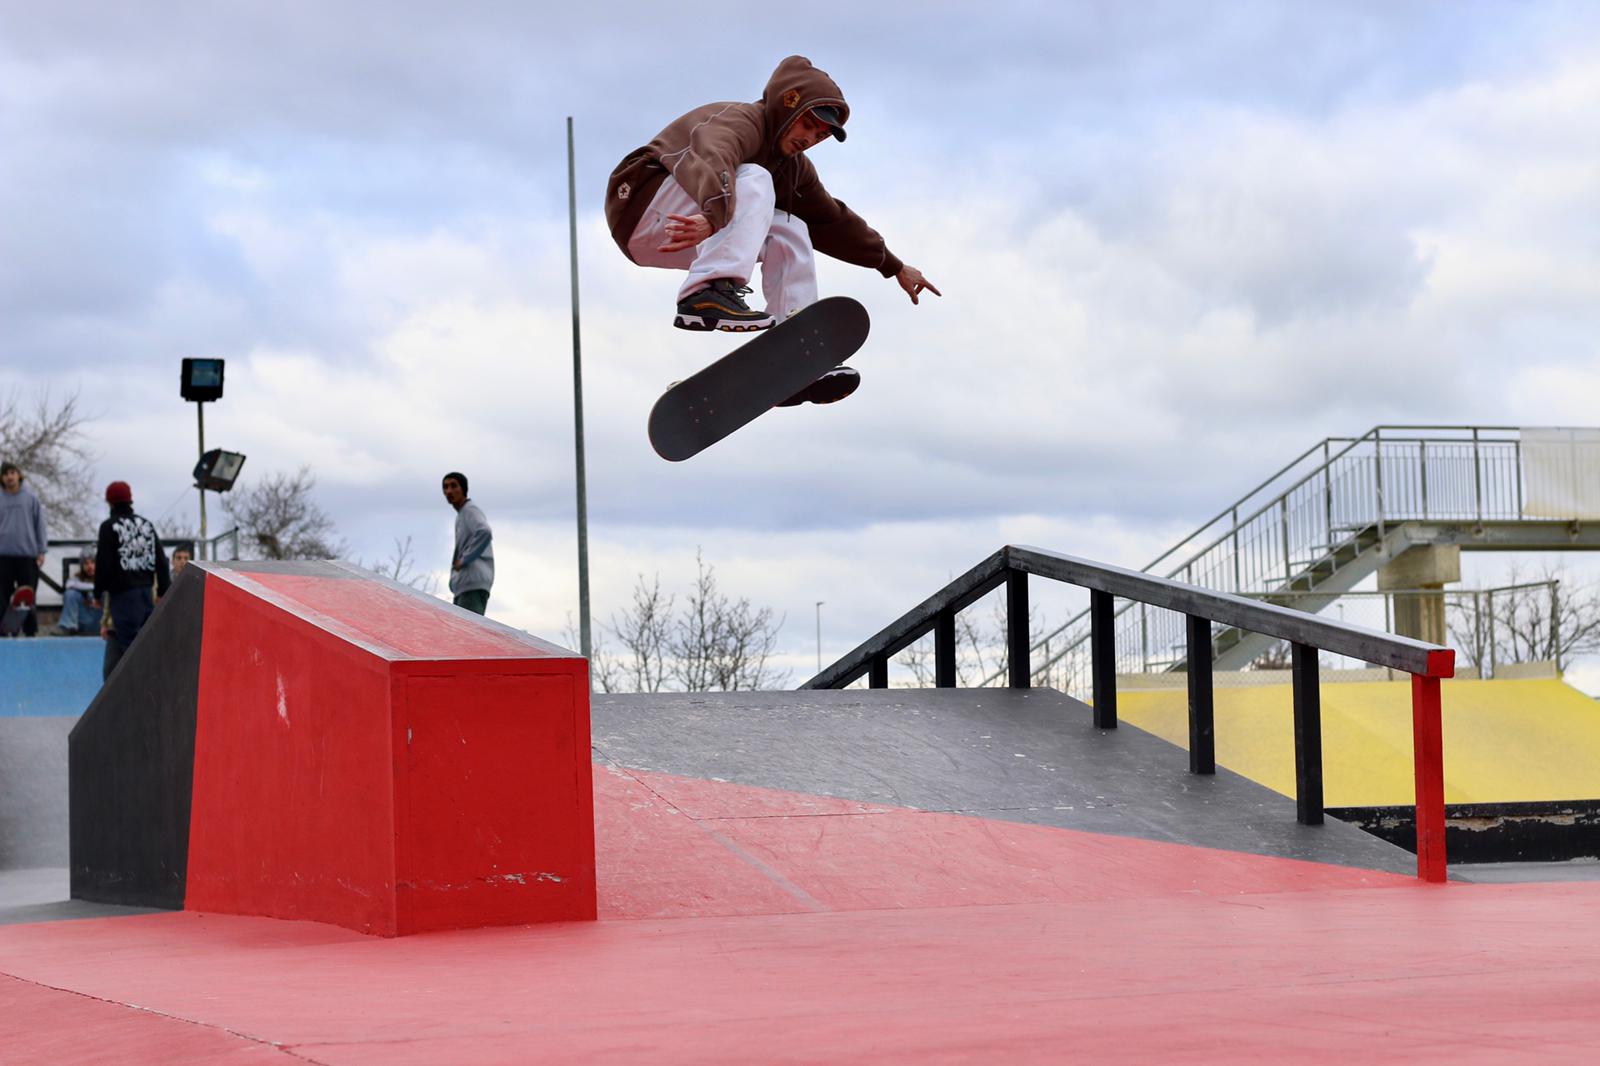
<point x="757" y="233"/>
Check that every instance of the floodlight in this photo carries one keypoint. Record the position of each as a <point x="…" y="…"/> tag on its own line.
<point x="217" y="470"/>
<point x="202" y="380"/>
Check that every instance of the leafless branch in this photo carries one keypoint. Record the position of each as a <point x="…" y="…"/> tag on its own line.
<point x="712" y="643"/>
<point x="278" y="519"/>
<point x="45" y="437"/>
<point x="401" y="565"/>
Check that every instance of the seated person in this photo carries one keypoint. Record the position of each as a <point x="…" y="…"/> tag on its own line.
<point x="80" y="607"/>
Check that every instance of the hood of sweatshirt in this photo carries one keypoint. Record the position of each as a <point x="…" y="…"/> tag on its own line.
<point x="794" y="88"/>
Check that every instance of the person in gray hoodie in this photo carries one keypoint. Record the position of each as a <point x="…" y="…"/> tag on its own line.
<point x="22" y="538"/>
<point x="472" y="567"/>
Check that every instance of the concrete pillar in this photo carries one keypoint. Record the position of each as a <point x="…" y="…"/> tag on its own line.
<point x="1420" y="574"/>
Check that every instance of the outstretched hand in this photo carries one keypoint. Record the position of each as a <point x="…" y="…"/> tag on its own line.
<point x="685" y="231"/>
<point x="911" y="280"/>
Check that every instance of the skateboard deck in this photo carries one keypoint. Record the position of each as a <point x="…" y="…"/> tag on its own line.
<point x="756" y="376"/>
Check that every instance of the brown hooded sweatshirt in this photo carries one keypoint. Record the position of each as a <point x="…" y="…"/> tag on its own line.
<point x="704" y="148"/>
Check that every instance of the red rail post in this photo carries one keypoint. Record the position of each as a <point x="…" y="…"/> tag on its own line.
<point x="1427" y="745"/>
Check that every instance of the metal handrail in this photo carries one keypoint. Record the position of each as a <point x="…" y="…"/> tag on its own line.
<point x="1229" y="609"/>
<point x="1307" y="634"/>
<point x="1328" y="461"/>
<point x="1335" y="450"/>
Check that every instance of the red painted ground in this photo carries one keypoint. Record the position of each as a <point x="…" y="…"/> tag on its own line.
<point x="742" y="925"/>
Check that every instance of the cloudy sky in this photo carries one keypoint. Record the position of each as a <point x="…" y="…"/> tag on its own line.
<point x="1179" y="243"/>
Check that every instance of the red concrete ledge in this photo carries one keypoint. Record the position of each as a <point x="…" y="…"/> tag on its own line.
<point x="384" y="761"/>
<point x="308" y="740"/>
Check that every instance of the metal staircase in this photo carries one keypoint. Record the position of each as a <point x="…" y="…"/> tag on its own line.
<point x="1318" y="526"/>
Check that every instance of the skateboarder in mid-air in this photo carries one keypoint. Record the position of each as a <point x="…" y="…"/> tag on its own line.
<point x="728" y="186"/>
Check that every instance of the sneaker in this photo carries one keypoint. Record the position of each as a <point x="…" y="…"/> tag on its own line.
<point x="831" y="387"/>
<point x="720" y="305"/>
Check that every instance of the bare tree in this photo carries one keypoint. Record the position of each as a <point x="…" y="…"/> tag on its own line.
<point x="604" y="671"/>
<point x="918" y="658"/>
<point x="278" y="519"/>
<point x="712" y="642"/>
<point x="999" y="642"/>
<point x="176" y="530"/>
<point x="981" y="649"/>
<point x="1470" y="639"/>
<point x="644" y="631"/>
<point x="749" y="637"/>
<point x="719" y="643"/>
<point x="45" y="437"/>
<point x="1550" y="617"/>
<point x="401" y="565"/>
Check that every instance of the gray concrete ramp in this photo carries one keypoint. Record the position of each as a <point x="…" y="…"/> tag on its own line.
<point x="1029" y="756"/>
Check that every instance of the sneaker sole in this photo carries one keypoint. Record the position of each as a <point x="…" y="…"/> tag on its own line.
<point x="832" y="388"/>
<point x="700" y="324"/>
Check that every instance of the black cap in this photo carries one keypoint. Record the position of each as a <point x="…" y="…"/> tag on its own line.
<point x="830" y="116"/>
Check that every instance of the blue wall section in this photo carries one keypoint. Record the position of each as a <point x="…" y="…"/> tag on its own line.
<point x="49" y="675"/>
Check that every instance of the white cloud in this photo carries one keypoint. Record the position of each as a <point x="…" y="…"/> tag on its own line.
<point x="1169" y="265"/>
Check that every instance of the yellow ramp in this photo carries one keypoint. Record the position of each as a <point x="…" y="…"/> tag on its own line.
<point x="1504" y="741"/>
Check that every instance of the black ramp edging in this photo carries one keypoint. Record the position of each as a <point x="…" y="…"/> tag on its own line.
<point x="1529" y="831"/>
<point x="1029" y="756"/>
<point x="131" y="762"/>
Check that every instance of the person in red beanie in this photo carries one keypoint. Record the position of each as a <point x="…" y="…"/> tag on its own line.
<point x="128" y="561"/>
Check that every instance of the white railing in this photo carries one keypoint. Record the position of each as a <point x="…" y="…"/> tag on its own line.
<point x="1302" y="524"/>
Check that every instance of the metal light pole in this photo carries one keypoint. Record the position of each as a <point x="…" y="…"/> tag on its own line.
<point x="199" y="382"/>
<point x="819" y="635"/>
<point x="200" y="409"/>
<point x="577" y="406"/>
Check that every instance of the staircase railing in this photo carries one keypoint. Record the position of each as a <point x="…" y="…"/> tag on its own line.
<point x="1310" y="518"/>
<point x="1204" y="611"/>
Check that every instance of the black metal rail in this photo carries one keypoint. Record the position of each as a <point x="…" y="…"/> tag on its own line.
<point x="1307" y="634"/>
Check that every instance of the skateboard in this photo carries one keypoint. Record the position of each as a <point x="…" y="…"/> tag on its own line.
<point x="700" y="410"/>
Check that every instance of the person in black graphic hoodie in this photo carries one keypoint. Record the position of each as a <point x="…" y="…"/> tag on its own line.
<point x="128" y="559"/>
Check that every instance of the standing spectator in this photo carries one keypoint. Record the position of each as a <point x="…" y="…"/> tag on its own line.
<point x="22" y="541"/>
<point x="472" y="568"/>
<point x="80" y="607"/>
<point x="129" y="558"/>
<point x="182" y="556"/>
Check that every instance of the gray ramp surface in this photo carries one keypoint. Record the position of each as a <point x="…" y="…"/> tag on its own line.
<point x="34" y="884"/>
<point x="40" y="895"/>
<point x="1023" y="755"/>
<point x="33" y="791"/>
